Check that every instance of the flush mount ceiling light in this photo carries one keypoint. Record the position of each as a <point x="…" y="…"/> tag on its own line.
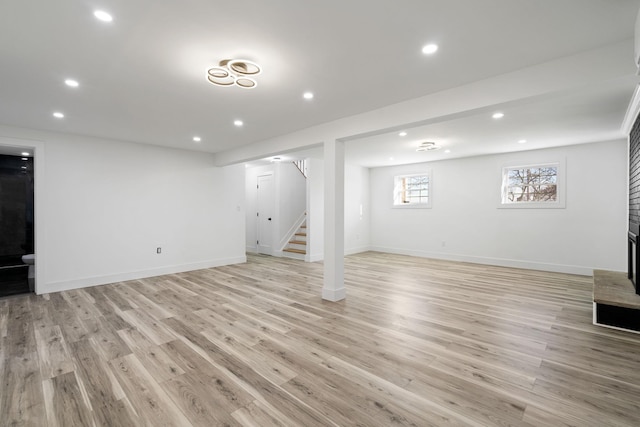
<point x="428" y="146"/>
<point x="498" y="115"/>
<point x="234" y="72"/>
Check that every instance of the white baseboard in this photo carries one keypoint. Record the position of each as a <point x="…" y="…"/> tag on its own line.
<point x="357" y="250"/>
<point x="316" y="257"/>
<point x="134" y="275"/>
<point x="350" y="251"/>
<point x="334" y="295"/>
<point x="501" y="262"/>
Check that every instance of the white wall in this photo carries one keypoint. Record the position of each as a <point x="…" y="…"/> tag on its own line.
<point x="357" y="217"/>
<point x="315" y="210"/>
<point x="466" y="224"/>
<point x="103" y="207"/>
<point x="357" y="227"/>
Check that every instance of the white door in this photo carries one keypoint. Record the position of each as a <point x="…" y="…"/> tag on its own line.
<point x="265" y="214"/>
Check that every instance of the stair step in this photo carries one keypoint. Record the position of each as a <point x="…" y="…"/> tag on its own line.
<point x="295" y="251"/>
<point x="297" y="242"/>
<point x="303" y="226"/>
<point x="301" y="234"/>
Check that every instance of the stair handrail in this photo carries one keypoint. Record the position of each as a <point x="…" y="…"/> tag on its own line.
<point x="301" y="165"/>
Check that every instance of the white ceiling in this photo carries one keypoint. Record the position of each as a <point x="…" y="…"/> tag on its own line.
<point x="143" y="76"/>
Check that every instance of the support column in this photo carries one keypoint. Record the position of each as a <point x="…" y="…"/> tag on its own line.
<point x="333" y="288"/>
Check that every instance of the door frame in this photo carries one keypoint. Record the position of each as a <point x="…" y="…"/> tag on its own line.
<point x="273" y="194"/>
<point x="39" y="244"/>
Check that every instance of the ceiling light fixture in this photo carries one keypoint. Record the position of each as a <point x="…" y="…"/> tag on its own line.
<point x="428" y="146"/>
<point x="447" y="151"/>
<point x="25" y="153"/>
<point x="103" y="16"/>
<point x="403" y="133"/>
<point x="498" y="115"/>
<point x="238" y="123"/>
<point x="71" y="83"/>
<point x="430" y="49"/>
<point x="197" y="139"/>
<point x="522" y="141"/>
<point x="238" y="72"/>
<point x="308" y="95"/>
<point x="58" y="115"/>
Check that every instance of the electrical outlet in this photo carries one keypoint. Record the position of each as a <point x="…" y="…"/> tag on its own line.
<point x="158" y="250"/>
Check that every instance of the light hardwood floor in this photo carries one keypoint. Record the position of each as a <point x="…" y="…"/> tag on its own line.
<point x="417" y="342"/>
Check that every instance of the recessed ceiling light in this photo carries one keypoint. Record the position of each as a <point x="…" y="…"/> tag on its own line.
<point x="430" y="49"/>
<point x="103" y="16"/>
<point x="447" y="151"/>
<point x="197" y="139"/>
<point x="403" y="133"/>
<point x="390" y="158"/>
<point x="238" y="123"/>
<point x="25" y="153"/>
<point x="24" y="167"/>
<point x="276" y="159"/>
<point x="71" y="83"/>
<point x="25" y="158"/>
<point x="522" y="141"/>
<point x="307" y="95"/>
<point x="58" y="115"/>
<point x="498" y="115"/>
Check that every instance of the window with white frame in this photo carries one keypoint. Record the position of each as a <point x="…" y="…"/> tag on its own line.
<point x="537" y="185"/>
<point x="412" y="191"/>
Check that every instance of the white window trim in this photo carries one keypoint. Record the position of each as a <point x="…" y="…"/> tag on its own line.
<point x="427" y="205"/>
<point x="561" y="183"/>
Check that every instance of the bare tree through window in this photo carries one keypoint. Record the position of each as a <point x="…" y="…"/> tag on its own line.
<point x="411" y="190"/>
<point x="531" y="184"/>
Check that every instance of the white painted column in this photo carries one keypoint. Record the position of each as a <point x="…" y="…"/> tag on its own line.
<point x="333" y="288"/>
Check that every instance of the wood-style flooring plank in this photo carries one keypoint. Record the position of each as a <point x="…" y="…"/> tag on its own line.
<point x="65" y="403"/>
<point x="417" y="342"/>
<point x="149" y="400"/>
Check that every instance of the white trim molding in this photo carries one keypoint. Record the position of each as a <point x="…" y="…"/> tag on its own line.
<point x="632" y="112"/>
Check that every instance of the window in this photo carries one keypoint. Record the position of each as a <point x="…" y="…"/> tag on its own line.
<point x="412" y="191"/>
<point x="532" y="186"/>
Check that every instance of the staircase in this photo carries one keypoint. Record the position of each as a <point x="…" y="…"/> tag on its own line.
<point x="297" y="246"/>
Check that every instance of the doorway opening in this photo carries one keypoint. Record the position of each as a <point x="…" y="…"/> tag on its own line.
<point x="16" y="222"/>
<point x="264" y="215"/>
